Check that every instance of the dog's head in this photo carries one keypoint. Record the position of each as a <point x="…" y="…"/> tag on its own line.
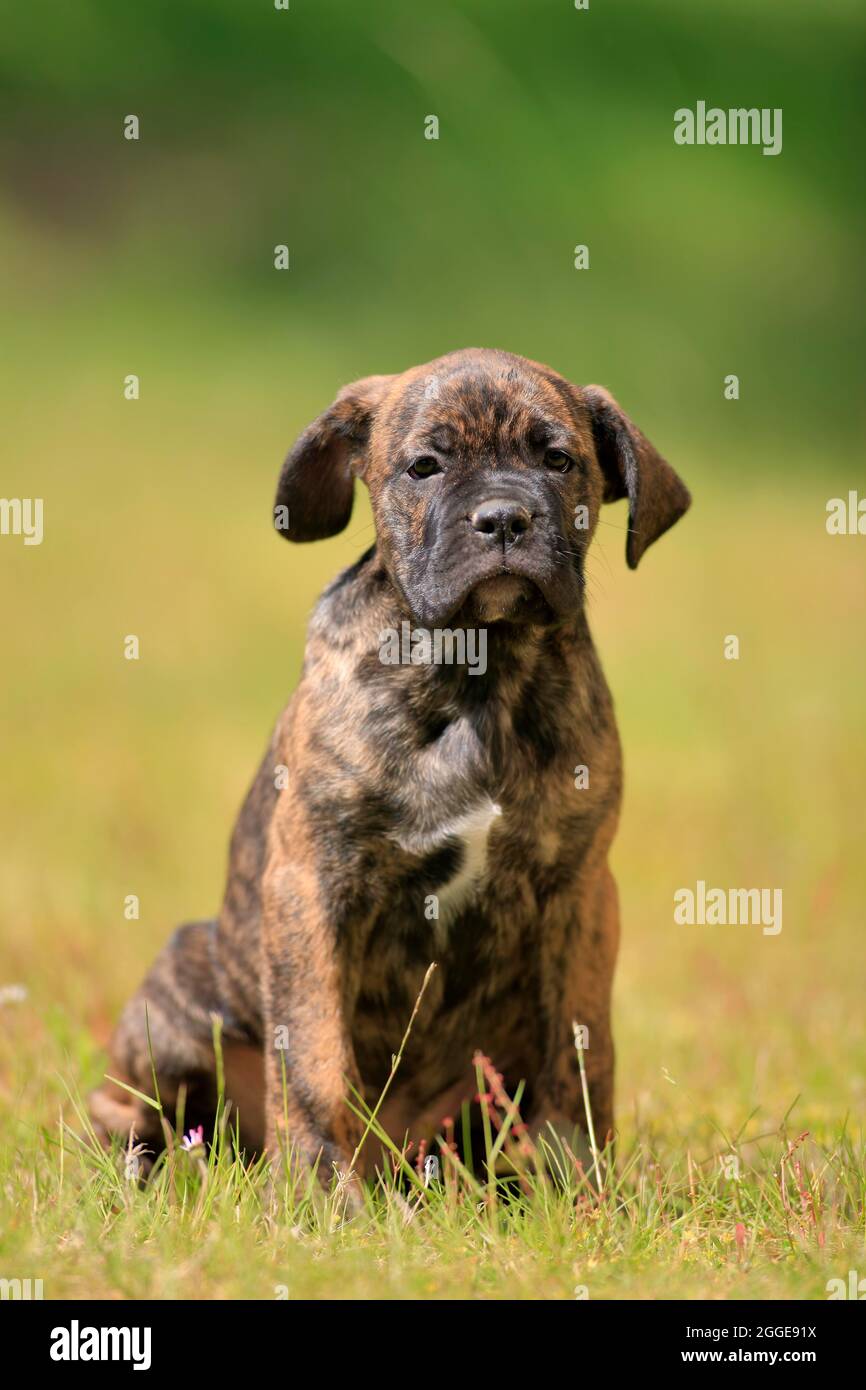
<point x="486" y="475"/>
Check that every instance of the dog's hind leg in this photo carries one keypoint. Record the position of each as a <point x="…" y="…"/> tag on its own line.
<point x="167" y="1026"/>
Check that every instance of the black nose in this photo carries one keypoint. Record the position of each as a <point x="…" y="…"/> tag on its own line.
<point x="502" y="521"/>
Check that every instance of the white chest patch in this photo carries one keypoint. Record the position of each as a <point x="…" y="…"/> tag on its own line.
<point x="472" y="830"/>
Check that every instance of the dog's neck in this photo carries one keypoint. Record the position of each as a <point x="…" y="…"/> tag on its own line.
<point x="499" y="666"/>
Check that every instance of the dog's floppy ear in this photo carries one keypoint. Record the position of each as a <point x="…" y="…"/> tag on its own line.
<point x="633" y="468"/>
<point x="314" y="494"/>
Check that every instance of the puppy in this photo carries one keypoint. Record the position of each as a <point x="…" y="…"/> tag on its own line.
<point x="413" y="806"/>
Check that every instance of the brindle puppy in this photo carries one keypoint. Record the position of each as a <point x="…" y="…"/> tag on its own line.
<point x="390" y="792"/>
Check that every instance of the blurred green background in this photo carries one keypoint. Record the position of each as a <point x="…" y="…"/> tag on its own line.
<point x="155" y="257"/>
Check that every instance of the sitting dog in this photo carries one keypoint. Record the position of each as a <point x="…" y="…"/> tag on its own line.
<point x="421" y="810"/>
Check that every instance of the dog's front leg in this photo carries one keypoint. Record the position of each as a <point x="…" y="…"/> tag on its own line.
<point x="309" y="1061"/>
<point x="577" y="976"/>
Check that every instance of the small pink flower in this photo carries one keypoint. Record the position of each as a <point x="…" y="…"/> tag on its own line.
<point x="193" y="1140"/>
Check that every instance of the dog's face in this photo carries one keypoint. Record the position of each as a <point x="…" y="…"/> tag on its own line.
<point x="486" y="475"/>
<point x="477" y="469"/>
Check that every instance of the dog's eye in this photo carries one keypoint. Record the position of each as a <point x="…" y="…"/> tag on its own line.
<point x="558" y="459"/>
<point x="424" y="467"/>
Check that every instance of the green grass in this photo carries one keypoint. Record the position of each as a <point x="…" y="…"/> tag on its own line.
<point x="768" y="1216"/>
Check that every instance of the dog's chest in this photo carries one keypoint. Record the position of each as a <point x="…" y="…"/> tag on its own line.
<point x="449" y="853"/>
<point x="469" y="834"/>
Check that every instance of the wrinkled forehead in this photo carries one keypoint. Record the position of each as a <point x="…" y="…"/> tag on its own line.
<point x="480" y="408"/>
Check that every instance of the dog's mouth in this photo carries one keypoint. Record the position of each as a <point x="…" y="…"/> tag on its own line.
<point x="508" y="597"/>
<point x="539" y="588"/>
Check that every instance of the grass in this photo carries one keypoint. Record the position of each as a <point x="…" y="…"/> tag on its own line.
<point x="124" y="777"/>
<point x="770" y="1215"/>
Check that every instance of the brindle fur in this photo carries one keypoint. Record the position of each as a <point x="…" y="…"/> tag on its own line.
<point x="323" y="930"/>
